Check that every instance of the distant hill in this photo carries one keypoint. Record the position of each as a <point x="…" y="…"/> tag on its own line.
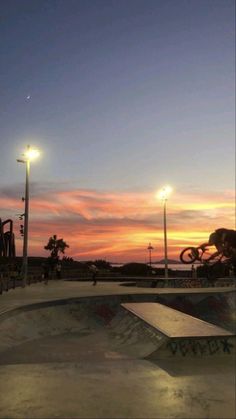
<point x="170" y="262"/>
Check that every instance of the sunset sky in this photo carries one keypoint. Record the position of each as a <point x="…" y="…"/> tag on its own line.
<point x="122" y="97"/>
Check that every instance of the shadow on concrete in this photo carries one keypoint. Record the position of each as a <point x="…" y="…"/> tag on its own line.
<point x="197" y="367"/>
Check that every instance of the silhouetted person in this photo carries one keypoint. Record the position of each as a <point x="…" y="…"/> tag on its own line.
<point x="194" y="272"/>
<point x="94" y="271"/>
<point x="58" y="270"/>
<point x="45" y="273"/>
<point x="224" y="241"/>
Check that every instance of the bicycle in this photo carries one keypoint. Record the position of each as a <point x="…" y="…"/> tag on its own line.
<point x="201" y="254"/>
<point x="211" y="265"/>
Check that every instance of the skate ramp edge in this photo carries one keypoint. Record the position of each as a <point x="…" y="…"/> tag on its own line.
<point x="181" y="335"/>
<point x="104" y="328"/>
<point x="101" y="324"/>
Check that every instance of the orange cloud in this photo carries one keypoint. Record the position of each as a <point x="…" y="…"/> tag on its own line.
<point x="119" y="225"/>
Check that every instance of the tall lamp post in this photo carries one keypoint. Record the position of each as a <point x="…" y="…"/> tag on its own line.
<point x="150" y="248"/>
<point x="29" y="155"/>
<point x="163" y="194"/>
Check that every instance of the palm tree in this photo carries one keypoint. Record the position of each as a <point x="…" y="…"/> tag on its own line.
<point x="56" y="246"/>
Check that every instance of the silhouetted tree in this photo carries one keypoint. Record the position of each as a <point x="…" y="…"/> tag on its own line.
<point x="56" y="246"/>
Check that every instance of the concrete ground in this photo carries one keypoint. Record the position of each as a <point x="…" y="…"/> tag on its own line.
<point x="56" y="290"/>
<point x="83" y="374"/>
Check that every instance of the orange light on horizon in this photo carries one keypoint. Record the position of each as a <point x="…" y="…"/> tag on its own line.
<point x="118" y="225"/>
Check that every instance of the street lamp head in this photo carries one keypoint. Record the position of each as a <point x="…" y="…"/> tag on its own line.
<point x="31" y="153"/>
<point x="164" y="193"/>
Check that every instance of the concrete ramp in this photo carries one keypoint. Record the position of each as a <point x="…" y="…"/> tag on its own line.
<point x="105" y="328"/>
<point x="181" y="334"/>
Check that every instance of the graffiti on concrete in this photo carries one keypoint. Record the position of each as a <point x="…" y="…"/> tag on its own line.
<point x="200" y="346"/>
<point x="105" y="312"/>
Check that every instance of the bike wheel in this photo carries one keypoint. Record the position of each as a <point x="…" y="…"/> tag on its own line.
<point x="189" y="255"/>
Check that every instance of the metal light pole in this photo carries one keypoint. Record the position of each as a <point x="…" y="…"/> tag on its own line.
<point x="163" y="194"/>
<point x="150" y="248"/>
<point x="165" y="239"/>
<point x="28" y="156"/>
<point x="26" y="225"/>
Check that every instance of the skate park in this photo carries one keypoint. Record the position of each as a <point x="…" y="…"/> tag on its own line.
<point x="117" y="210"/>
<point x="123" y="349"/>
<point x="69" y="349"/>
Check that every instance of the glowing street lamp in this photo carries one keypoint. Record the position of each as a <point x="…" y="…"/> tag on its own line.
<point x="29" y="155"/>
<point x="163" y="195"/>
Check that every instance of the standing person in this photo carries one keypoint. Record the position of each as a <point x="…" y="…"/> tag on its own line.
<point x="58" y="270"/>
<point x="94" y="271"/>
<point x="45" y="273"/>
<point x="194" y="272"/>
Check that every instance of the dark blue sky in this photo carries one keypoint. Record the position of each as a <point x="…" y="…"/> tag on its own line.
<point x="124" y="94"/>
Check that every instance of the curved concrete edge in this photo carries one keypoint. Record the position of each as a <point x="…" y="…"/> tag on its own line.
<point x="29" y="306"/>
<point x="160" y="346"/>
<point x="13" y="307"/>
<point x="128" y="335"/>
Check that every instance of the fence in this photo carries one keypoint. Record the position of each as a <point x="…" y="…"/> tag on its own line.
<point x="12" y="279"/>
